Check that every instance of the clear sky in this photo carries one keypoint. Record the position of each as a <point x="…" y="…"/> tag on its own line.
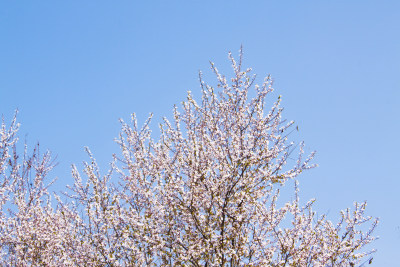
<point x="73" y="68"/>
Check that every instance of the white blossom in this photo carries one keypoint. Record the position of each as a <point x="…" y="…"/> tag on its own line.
<point x="204" y="194"/>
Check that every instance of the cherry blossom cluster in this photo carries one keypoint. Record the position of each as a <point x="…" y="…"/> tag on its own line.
<point x="204" y="194"/>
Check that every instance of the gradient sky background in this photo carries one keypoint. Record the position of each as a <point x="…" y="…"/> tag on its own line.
<point x="73" y="68"/>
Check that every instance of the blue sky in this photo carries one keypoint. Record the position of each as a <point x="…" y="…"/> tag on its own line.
<point x="73" y="68"/>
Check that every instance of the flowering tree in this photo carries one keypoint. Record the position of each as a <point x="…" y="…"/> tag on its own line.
<point x="204" y="194"/>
